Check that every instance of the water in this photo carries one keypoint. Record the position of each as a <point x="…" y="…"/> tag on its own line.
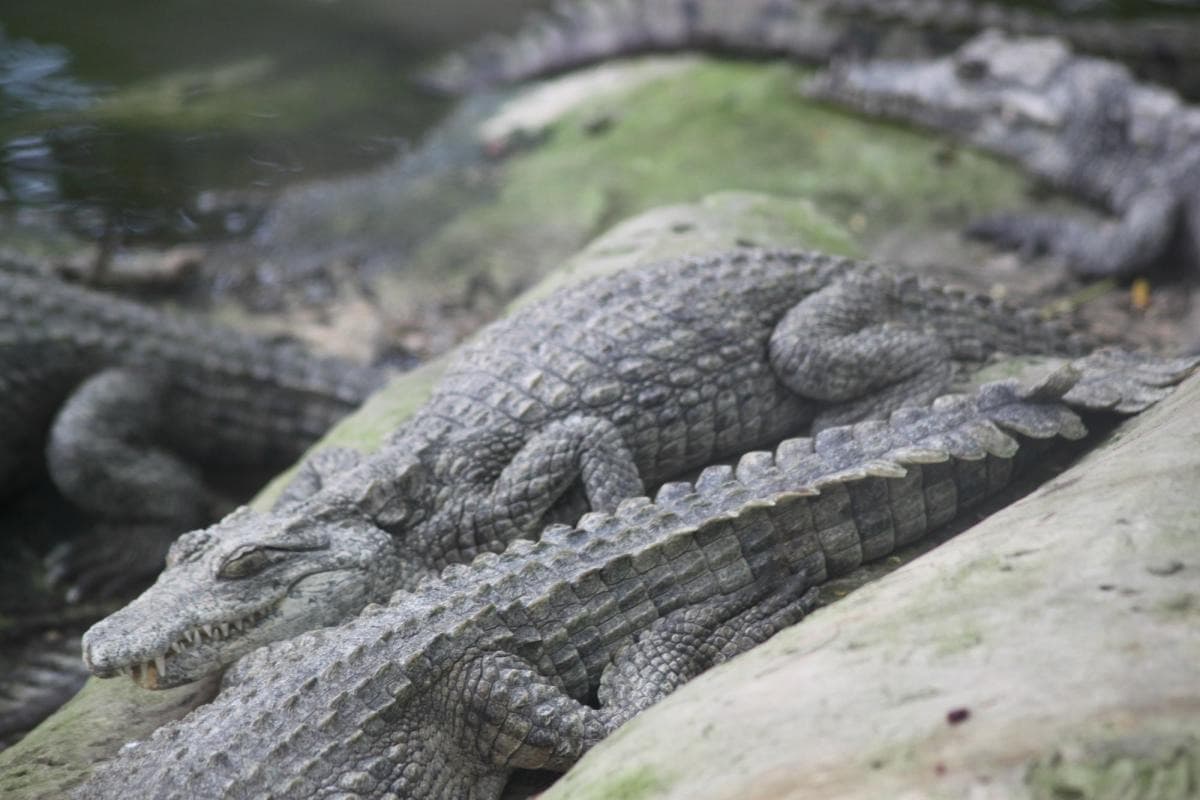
<point x="136" y="120"/>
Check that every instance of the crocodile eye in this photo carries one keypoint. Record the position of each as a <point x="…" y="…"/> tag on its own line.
<point x="244" y="563"/>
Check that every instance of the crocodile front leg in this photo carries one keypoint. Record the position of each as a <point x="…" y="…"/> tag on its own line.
<point x="104" y="453"/>
<point x="538" y="472"/>
<point x="518" y="717"/>
<point x="1119" y="247"/>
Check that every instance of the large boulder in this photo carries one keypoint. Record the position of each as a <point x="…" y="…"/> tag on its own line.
<point x="1049" y="652"/>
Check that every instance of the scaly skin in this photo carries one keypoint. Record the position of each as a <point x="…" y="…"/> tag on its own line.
<point x="126" y="404"/>
<point x="580" y="32"/>
<point x="1081" y="124"/>
<point x="618" y="384"/>
<point x="441" y="693"/>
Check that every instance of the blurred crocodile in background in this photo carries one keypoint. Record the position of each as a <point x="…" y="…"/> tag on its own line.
<point x="1083" y="124"/>
<point x="138" y="415"/>
<point x="615" y="385"/>
<point x="444" y="691"/>
<point x="580" y="32"/>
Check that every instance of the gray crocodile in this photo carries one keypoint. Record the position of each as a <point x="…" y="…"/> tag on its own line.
<point x="1082" y="124"/>
<point x="124" y="406"/>
<point x="442" y="692"/>
<point x="575" y="33"/>
<point x="615" y="385"/>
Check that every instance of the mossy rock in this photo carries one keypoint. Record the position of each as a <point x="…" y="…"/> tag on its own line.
<point x="580" y="152"/>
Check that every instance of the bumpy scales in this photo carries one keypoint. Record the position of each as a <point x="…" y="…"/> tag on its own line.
<point x="126" y="405"/>
<point x="438" y="695"/>
<point x="578" y="32"/>
<point x="590" y="396"/>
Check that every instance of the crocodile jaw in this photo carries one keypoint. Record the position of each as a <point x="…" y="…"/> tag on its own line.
<point x="163" y="657"/>
<point x="190" y="623"/>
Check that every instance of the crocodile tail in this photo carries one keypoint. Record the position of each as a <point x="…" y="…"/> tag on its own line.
<point x="976" y="325"/>
<point x="1158" y="37"/>
<point x="857" y="492"/>
<point x="579" y="32"/>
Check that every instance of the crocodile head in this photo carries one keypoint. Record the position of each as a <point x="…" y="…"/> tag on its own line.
<point x="1001" y="93"/>
<point x="251" y="579"/>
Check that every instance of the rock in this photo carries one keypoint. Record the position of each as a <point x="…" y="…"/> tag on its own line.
<point x="1048" y="652"/>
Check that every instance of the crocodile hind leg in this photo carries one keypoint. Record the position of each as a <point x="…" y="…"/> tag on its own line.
<point x="689" y="641"/>
<point x="1113" y="248"/>
<point x="843" y="345"/>
<point x="523" y="719"/>
<point x="103" y="455"/>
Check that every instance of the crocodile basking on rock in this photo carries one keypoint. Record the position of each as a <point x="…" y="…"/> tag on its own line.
<point x="580" y="32"/>
<point x="125" y="405"/>
<point x="618" y="384"/>
<point x="441" y="693"/>
<point x="1081" y="124"/>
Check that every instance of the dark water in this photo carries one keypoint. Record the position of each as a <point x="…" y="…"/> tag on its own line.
<point x="134" y="120"/>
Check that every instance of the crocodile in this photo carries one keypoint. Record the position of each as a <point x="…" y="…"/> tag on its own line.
<point x="1082" y="124"/>
<point x="575" y="33"/>
<point x="615" y="385"/>
<point x="124" y="406"/>
<point x="444" y="691"/>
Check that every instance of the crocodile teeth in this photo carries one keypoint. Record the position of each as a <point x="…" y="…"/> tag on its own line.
<point x="160" y="663"/>
<point x="216" y="632"/>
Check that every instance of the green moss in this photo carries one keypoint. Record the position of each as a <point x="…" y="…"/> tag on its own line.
<point x="957" y="642"/>
<point x="713" y="127"/>
<point x="1166" y="770"/>
<point x="1180" y="607"/>
<point x="733" y="126"/>
<point x="636" y="783"/>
